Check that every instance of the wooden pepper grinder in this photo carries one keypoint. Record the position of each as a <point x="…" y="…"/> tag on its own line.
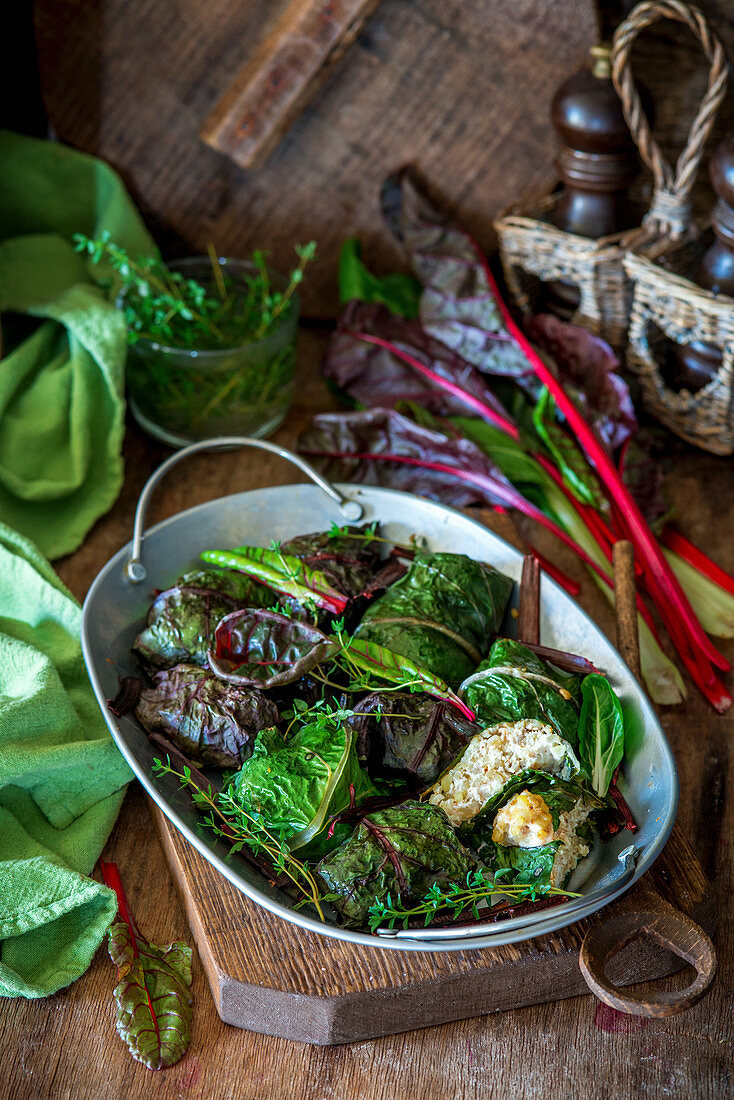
<point x="694" y="365"/>
<point x="596" y="163"/>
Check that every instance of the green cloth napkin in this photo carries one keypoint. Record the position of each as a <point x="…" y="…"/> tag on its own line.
<point x="61" y="782"/>
<point x="61" y="385"/>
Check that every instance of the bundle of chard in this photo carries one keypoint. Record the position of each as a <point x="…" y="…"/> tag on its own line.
<point x="454" y="402"/>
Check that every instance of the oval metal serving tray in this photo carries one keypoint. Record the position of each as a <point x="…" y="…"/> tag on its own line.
<point x="116" y="606"/>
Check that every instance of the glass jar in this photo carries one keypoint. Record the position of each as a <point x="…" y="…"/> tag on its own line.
<point x="181" y="395"/>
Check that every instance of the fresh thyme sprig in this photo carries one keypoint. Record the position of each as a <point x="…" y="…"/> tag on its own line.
<point x="173" y="310"/>
<point x="457" y="899"/>
<point x="227" y="819"/>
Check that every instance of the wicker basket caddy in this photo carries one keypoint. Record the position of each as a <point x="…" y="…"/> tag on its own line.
<point x="535" y="252"/>
<point x="669" y="307"/>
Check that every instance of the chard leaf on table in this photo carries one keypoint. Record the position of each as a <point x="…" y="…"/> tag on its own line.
<point x="588" y="369"/>
<point x="337" y="443"/>
<point x="408" y="365"/>
<point x="457" y="306"/>
<point x="260" y="648"/>
<point x="212" y="722"/>
<point x="294" y="785"/>
<point x="400" y="293"/>
<point x="152" y="997"/>
<point x="571" y="463"/>
<point x="601" y="731"/>
<point x="394" y="855"/>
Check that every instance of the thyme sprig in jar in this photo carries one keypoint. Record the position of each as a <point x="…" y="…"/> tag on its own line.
<point x="212" y="341"/>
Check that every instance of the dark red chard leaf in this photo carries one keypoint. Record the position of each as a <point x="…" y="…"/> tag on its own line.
<point x="258" y="648"/>
<point x="382" y="447"/>
<point x="406" y="365"/>
<point x="213" y="722"/>
<point x="348" y="560"/>
<point x="588" y="367"/>
<point x="457" y="306"/>
<point x="336" y="440"/>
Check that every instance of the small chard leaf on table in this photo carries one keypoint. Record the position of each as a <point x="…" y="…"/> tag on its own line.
<point x="601" y="731"/>
<point x="283" y="573"/>
<point x="153" y="998"/>
<point x="261" y="648"/>
<point x="211" y="721"/>
<point x="458" y="306"/>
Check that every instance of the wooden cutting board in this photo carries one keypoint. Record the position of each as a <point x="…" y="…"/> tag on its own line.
<point x="270" y="976"/>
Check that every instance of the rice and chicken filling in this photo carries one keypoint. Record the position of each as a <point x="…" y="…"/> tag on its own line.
<point x="525" y="821"/>
<point x="492" y="758"/>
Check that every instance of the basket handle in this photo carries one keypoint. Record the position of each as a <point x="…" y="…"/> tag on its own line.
<point x="670" y="209"/>
<point x="134" y="569"/>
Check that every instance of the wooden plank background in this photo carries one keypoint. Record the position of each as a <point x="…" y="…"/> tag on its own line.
<point x="461" y="88"/>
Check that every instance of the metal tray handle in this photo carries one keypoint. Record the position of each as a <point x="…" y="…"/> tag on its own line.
<point x="668" y="928"/>
<point x="136" y="572"/>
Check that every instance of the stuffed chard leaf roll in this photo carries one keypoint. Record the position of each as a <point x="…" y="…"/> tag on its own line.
<point x="514" y="683"/>
<point x="536" y="829"/>
<point x="210" y="721"/>
<point x="295" y="785"/>
<point x="441" y="615"/>
<point x="409" y="738"/>
<point x="401" y="852"/>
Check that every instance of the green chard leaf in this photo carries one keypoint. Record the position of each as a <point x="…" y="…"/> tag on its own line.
<point x="295" y="785"/>
<point x="400" y="293"/>
<point x="529" y="866"/>
<point x="283" y="573"/>
<point x="514" y="683"/>
<point x="601" y="731"/>
<point x="571" y="462"/>
<point x="394" y="856"/>
<point x="441" y="615"/>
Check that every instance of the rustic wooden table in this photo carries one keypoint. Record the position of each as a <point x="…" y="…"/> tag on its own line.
<point x="67" y="1046"/>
